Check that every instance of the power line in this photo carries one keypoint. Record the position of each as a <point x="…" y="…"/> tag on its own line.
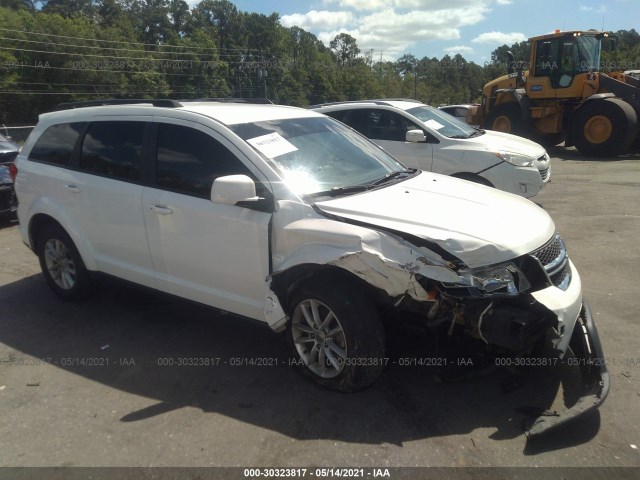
<point x="98" y="56"/>
<point x="99" y="94"/>
<point x="161" y="45"/>
<point x="101" y="70"/>
<point x="114" y="48"/>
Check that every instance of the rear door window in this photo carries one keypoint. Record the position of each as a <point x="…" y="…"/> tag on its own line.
<point x="114" y="149"/>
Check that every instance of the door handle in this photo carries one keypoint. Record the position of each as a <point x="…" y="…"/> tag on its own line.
<point x="72" y="188"/>
<point x="161" y="209"/>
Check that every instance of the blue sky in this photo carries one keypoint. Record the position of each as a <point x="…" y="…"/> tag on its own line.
<point x="433" y="28"/>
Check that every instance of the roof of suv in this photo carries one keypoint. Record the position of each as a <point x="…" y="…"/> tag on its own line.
<point x="227" y="112"/>
<point x="400" y="103"/>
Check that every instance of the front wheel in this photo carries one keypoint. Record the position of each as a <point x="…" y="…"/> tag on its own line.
<point x="335" y="335"/>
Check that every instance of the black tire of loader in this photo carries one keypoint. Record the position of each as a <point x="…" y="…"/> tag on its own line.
<point x="509" y="112"/>
<point x="624" y="124"/>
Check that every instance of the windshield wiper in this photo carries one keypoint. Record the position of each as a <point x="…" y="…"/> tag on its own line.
<point x="336" y="191"/>
<point x="477" y="133"/>
<point x="392" y="175"/>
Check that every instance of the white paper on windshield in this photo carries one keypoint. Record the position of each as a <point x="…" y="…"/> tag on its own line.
<point x="433" y="124"/>
<point x="272" y="145"/>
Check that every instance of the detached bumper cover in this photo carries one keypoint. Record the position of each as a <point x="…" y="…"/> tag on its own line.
<point x="586" y="346"/>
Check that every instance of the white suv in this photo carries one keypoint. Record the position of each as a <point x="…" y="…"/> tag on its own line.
<point x="430" y="139"/>
<point x="289" y="217"/>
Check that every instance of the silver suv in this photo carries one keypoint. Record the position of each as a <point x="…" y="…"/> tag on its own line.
<point x="424" y="137"/>
<point x="289" y="217"/>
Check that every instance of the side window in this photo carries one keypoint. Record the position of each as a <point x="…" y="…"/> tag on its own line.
<point x="547" y="58"/>
<point x="353" y="118"/>
<point x="386" y="125"/>
<point x="56" y="144"/>
<point x="338" y="115"/>
<point x="188" y="160"/>
<point x="113" y="149"/>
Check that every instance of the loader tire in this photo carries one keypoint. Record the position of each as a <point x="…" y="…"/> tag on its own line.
<point x="604" y="128"/>
<point x="506" y="118"/>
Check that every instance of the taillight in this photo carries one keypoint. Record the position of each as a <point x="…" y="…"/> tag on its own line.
<point x="13" y="172"/>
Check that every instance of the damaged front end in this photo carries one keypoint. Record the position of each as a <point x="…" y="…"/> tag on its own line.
<point x="530" y="313"/>
<point x="530" y="307"/>
<point x="584" y="360"/>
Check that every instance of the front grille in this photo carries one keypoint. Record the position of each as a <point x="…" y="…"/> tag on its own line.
<point x="562" y="278"/>
<point x="544" y="173"/>
<point x="553" y="258"/>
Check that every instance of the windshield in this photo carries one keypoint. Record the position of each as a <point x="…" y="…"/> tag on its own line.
<point x="318" y="154"/>
<point x="442" y="122"/>
<point x="588" y="53"/>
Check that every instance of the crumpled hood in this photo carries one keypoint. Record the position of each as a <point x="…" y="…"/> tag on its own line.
<point x="477" y="224"/>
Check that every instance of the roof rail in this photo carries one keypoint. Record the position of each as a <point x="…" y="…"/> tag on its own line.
<point x="378" y="101"/>
<point x="260" y="101"/>
<point x="412" y="100"/>
<point x="163" y="102"/>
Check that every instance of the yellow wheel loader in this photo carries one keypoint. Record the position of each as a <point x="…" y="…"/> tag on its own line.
<point x="563" y="97"/>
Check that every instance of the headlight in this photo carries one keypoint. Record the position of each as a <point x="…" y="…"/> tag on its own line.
<point x="515" y="159"/>
<point x="499" y="279"/>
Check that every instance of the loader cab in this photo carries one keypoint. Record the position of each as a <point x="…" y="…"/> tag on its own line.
<point x="560" y="58"/>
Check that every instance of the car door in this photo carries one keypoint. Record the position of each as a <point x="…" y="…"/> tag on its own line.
<point x="388" y="129"/>
<point x="210" y="253"/>
<point x="103" y="197"/>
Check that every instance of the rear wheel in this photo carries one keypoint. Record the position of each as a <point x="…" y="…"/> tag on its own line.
<point x="61" y="265"/>
<point x="336" y="335"/>
<point x="506" y="118"/>
<point x="604" y="127"/>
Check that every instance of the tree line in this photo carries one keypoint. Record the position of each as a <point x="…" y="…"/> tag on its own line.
<point x="71" y="50"/>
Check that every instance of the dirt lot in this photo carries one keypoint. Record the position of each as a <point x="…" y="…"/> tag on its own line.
<point x="91" y="384"/>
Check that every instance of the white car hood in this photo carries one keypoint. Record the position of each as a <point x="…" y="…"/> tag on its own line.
<point x="498" y="141"/>
<point x="477" y="224"/>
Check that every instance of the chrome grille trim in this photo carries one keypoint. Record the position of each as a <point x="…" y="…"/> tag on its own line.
<point x="555" y="261"/>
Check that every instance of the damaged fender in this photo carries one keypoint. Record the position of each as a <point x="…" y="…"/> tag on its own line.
<point x="380" y="259"/>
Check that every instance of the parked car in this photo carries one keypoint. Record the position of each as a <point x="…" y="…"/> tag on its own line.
<point x="8" y="152"/>
<point x="465" y="112"/>
<point x="8" y="149"/>
<point x="8" y="201"/>
<point x="424" y="137"/>
<point x="286" y="216"/>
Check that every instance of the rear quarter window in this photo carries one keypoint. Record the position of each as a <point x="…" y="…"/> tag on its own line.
<point x="56" y="144"/>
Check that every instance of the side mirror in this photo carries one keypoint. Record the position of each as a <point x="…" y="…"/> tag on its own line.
<point x="232" y="189"/>
<point x="416" y="136"/>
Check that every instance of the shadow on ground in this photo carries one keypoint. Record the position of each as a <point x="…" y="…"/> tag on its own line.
<point x="408" y="403"/>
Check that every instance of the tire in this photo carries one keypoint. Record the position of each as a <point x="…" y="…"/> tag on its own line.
<point x="335" y="335"/>
<point x="605" y="127"/>
<point x="61" y="264"/>
<point x="506" y="118"/>
<point x="472" y="177"/>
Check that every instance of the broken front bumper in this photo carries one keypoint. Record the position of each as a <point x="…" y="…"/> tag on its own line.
<point x="587" y="359"/>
